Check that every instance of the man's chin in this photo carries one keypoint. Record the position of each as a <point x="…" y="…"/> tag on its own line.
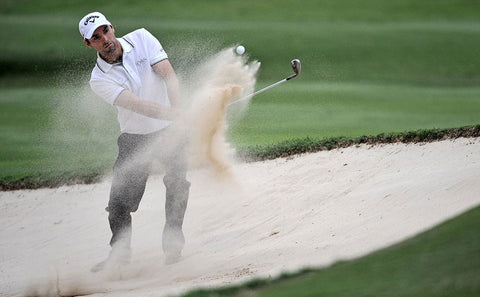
<point x="108" y="51"/>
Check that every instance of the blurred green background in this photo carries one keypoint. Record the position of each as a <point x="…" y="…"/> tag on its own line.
<point x="367" y="67"/>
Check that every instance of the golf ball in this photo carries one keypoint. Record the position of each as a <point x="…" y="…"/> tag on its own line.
<point x="240" y="49"/>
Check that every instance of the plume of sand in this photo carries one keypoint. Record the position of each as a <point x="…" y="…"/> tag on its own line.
<point x="226" y="77"/>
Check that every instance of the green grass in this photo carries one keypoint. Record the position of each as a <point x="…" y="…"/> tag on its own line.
<point x="444" y="261"/>
<point x="368" y="68"/>
<point x="59" y="132"/>
<point x="300" y="109"/>
<point x="279" y="10"/>
<point x="50" y="135"/>
<point x="21" y="120"/>
<point x="307" y="145"/>
<point x="409" y="42"/>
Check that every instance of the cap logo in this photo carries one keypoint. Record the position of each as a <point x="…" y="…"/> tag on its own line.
<point x="91" y="19"/>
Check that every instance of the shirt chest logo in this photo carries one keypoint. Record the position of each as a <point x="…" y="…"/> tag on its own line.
<point x="141" y="61"/>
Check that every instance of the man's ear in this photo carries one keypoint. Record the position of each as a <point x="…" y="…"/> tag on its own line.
<point x="113" y="29"/>
<point x="87" y="43"/>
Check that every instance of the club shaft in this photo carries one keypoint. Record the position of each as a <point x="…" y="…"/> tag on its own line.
<point x="296" y="66"/>
<point x="259" y="91"/>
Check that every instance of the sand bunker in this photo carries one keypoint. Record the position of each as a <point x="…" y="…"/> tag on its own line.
<point x="280" y="215"/>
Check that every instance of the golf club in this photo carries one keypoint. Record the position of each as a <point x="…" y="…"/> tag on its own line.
<point x="296" y="66"/>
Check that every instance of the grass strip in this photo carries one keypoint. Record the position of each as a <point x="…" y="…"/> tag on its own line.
<point x="53" y="180"/>
<point x="444" y="261"/>
<point x="309" y="145"/>
<point x="254" y="153"/>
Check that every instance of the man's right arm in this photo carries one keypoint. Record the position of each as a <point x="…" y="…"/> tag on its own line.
<point x="130" y="101"/>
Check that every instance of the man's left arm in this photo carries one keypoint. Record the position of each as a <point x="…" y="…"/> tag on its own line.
<point x="165" y="70"/>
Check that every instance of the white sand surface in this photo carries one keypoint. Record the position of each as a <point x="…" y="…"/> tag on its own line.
<point x="279" y="215"/>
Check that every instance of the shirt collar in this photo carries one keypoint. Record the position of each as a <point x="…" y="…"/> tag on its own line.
<point x="104" y="66"/>
<point x="126" y="45"/>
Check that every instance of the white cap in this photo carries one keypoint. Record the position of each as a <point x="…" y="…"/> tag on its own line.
<point x="89" y="23"/>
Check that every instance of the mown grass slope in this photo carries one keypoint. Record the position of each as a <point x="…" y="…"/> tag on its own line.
<point x="444" y="261"/>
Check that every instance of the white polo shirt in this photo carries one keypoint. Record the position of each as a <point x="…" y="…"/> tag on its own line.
<point x="141" y="50"/>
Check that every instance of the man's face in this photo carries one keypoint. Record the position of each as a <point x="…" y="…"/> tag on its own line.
<point x="103" y="40"/>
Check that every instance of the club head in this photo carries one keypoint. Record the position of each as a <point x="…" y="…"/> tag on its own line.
<point x="296" y="66"/>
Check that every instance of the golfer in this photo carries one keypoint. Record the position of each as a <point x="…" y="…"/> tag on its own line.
<point x="133" y="74"/>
